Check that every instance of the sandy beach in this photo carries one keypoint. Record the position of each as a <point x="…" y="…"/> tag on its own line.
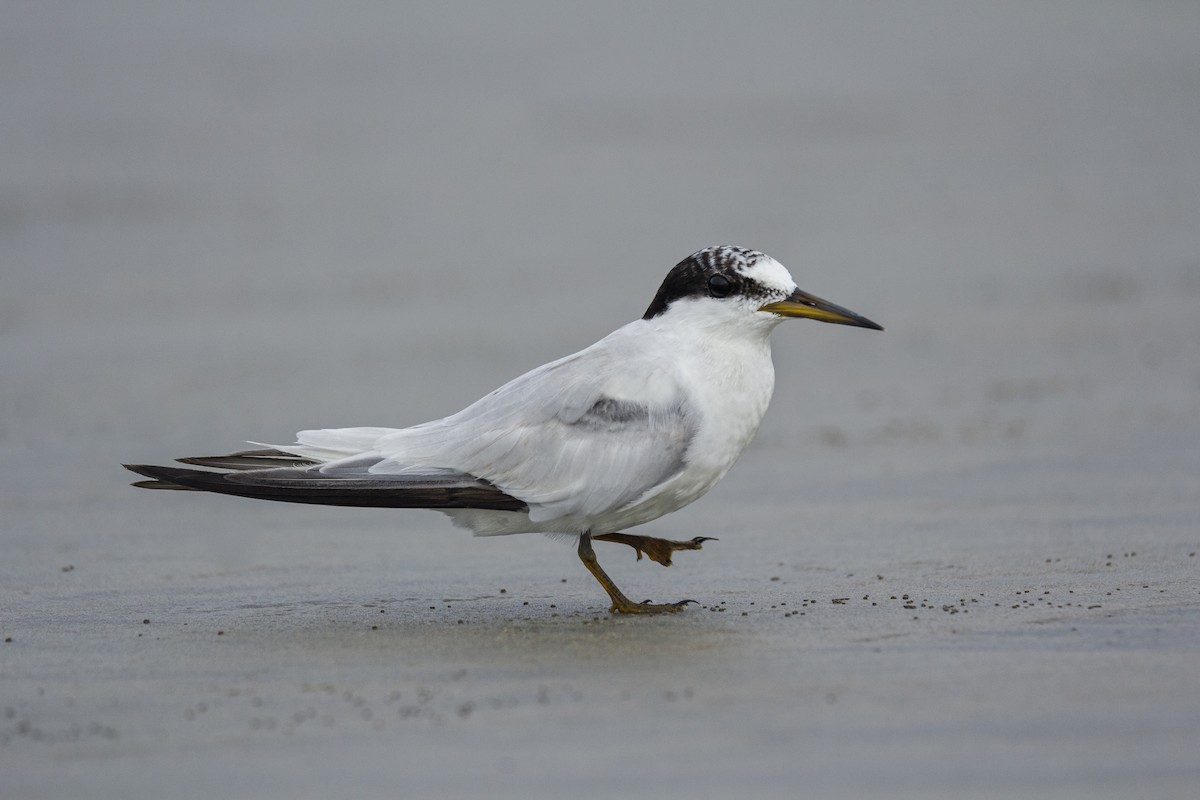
<point x="959" y="560"/>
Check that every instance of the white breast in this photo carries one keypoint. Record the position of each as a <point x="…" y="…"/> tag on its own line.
<point x="730" y="387"/>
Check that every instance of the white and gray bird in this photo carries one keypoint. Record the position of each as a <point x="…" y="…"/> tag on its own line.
<point x="638" y="425"/>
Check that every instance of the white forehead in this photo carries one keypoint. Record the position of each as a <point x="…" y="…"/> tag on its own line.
<point x="767" y="271"/>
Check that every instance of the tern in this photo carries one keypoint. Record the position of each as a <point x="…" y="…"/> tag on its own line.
<point x="638" y="425"/>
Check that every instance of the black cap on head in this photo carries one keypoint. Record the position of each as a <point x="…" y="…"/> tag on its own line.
<point x="712" y="272"/>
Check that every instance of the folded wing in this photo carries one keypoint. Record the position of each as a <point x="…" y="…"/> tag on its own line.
<point x="581" y="436"/>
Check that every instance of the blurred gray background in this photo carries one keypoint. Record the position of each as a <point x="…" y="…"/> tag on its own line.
<point x="959" y="560"/>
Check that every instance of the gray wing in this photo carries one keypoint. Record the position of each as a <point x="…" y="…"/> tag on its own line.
<point x="578" y="437"/>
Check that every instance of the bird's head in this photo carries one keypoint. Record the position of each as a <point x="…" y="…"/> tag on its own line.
<point x="729" y="282"/>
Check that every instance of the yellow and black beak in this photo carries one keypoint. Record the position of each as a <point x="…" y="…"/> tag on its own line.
<point x="803" y="304"/>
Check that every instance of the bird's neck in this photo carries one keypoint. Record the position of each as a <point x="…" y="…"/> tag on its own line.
<point x="728" y="361"/>
<point x="715" y="326"/>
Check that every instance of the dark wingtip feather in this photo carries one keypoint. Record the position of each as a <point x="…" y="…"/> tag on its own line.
<point x="293" y="486"/>
<point x="156" y="482"/>
<point x="249" y="459"/>
<point x="162" y="485"/>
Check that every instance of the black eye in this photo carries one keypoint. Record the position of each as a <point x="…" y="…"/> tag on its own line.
<point x="719" y="286"/>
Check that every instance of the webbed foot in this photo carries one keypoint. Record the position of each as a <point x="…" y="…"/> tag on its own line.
<point x="647" y="607"/>
<point x="659" y="550"/>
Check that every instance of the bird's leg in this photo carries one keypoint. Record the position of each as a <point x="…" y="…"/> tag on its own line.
<point x="658" y="549"/>
<point x="620" y="603"/>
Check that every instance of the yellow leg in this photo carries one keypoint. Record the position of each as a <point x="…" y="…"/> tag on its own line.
<point x="658" y="549"/>
<point x="620" y="603"/>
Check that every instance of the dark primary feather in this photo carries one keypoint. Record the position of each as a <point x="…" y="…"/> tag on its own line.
<point x="249" y="459"/>
<point x="292" y="485"/>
